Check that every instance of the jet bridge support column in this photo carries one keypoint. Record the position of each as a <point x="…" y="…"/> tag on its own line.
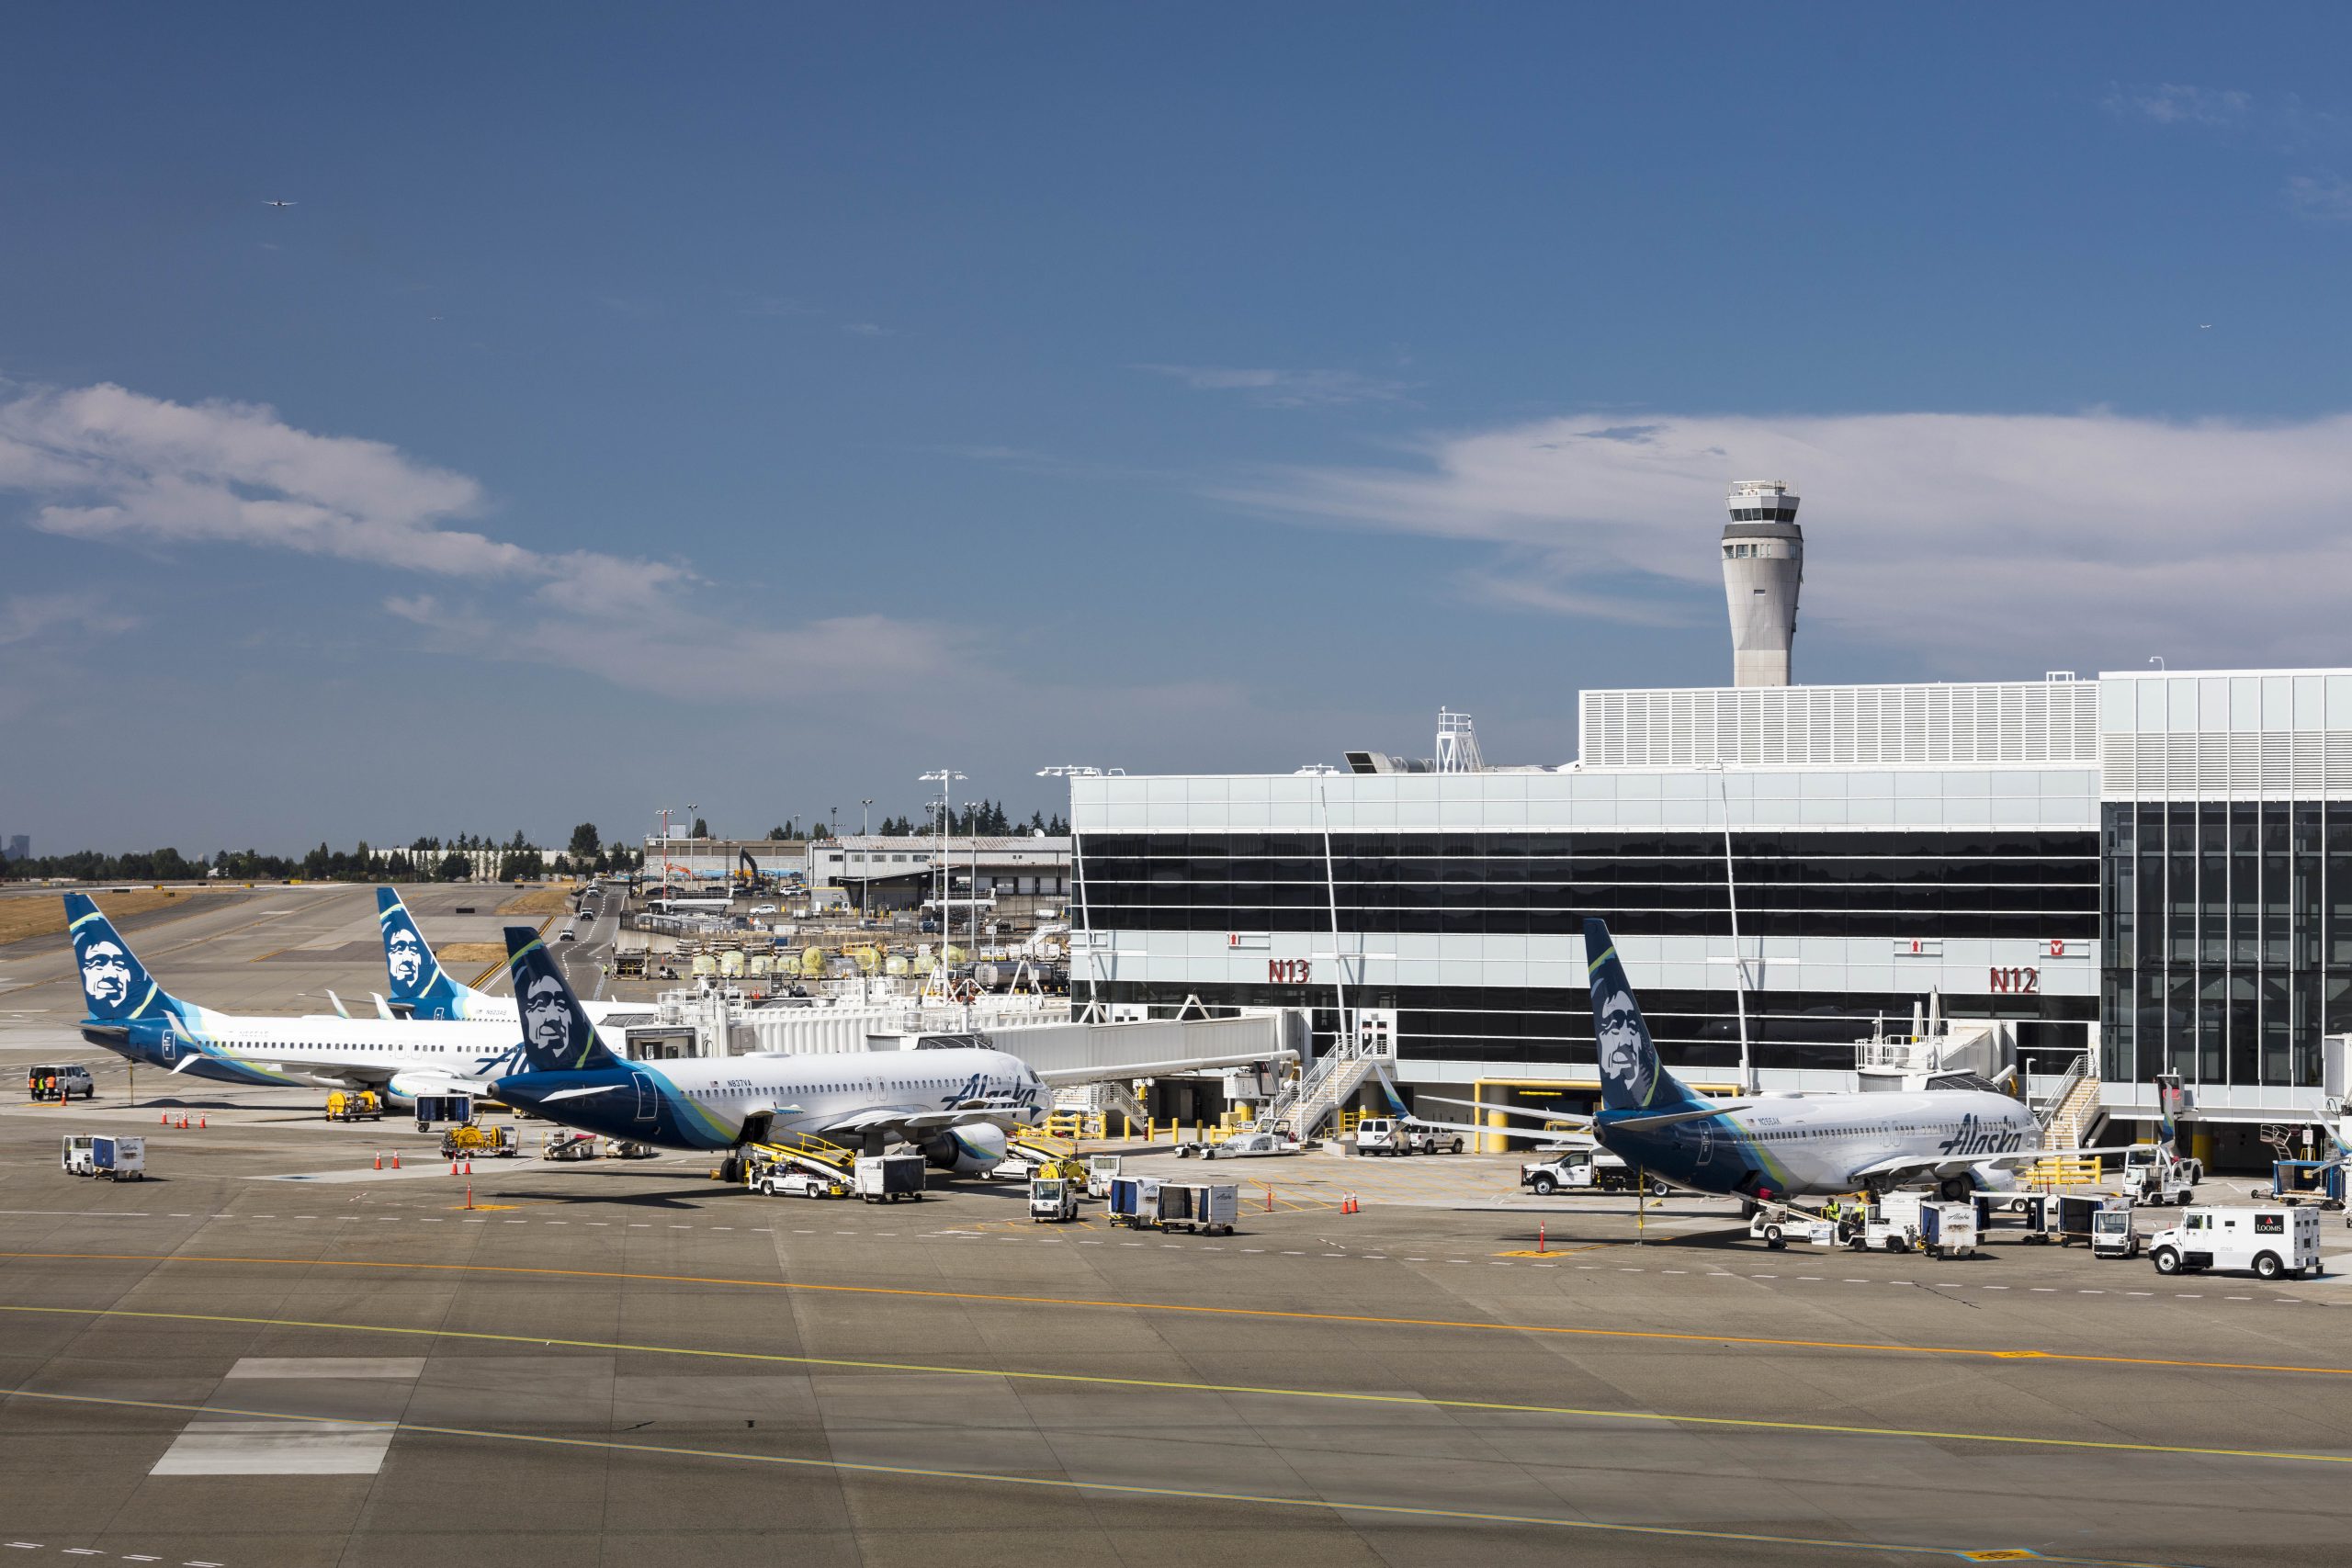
<point x="1489" y="1143"/>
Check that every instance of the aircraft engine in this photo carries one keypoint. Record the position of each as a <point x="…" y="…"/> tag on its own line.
<point x="967" y="1151"/>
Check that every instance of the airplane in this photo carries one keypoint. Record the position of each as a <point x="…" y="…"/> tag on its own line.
<point x="269" y="203"/>
<point x="1771" y="1148"/>
<point x="421" y="988"/>
<point x="136" y="1018"/>
<point x="957" y="1104"/>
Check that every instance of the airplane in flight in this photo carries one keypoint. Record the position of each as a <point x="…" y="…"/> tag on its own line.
<point x="421" y="988"/>
<point x="957" y="1104"/>
<point x="1773" y="1148"/>
<point x="135" y="1017"/>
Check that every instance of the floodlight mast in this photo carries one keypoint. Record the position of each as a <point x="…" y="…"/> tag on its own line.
<point x="943" y="777"/>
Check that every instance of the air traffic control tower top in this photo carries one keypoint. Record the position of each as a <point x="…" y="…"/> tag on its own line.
<point x="1763" y="568"/>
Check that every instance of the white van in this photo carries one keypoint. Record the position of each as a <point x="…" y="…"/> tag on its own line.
<point x="1381" y="1135"/>
<point x="60" y="1081"/>
<point x="2271" y="1242"/>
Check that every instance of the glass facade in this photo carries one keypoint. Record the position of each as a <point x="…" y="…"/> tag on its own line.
<point x="2227" y="939"/>
<point x="2037" y="884"/>
<point x="1931" y="885"/>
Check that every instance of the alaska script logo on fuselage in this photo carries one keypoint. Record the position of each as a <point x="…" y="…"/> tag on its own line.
<point x="1974" y="1137"/>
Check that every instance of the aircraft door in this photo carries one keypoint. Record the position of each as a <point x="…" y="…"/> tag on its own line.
<point x="168" y="1045"/>
<point x="647" y="1102"/>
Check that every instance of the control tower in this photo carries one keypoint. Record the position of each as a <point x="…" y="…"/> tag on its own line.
<point x="1763" y="567"/>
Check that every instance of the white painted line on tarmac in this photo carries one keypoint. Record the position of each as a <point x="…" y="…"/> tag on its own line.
<point x="276" y="1448"/>
<point x="407" y="1368"/>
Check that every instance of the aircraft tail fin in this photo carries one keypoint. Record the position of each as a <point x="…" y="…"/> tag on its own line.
<point x="421" y="988"/>
<point x="557" y="1033"/>
<point x="2170" y="1100"/>
<point x="115" y="987"/>
<point x="1631" y="1076"/>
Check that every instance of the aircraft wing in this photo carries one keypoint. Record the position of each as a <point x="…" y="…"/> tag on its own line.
<point x="972" y="1112"/>
<point x="408" y="1086"/>
<point x="1576" y="1117"/>
<point x="1130" y="1070"/>
<point x="1676" y="1117"/>
<point x="1938" y="1166"/>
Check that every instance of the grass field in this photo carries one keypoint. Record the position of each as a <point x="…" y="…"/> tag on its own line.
<point x="455" y="954"/>
<point x="538" y="901"/>
<point x="43" y="914"/>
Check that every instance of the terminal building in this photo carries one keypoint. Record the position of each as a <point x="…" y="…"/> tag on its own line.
<point x="2112" y="878"/>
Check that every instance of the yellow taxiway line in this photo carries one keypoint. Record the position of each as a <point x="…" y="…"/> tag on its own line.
<point x="1114" y="1488"/>
<point x="1174" y="1385"/>
<point x="1564" y="1331"/>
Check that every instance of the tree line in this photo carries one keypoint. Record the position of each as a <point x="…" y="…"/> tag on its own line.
<point x="428" y="859"/>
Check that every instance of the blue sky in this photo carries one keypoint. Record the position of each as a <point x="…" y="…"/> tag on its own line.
<point x="761" y="406"/>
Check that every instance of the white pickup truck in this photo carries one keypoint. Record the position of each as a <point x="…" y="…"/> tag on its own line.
<point x="1582" y="1170"/>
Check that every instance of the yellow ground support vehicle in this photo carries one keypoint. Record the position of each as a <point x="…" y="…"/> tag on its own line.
<point x="355" y="1105"/>
<point x="474" y="1141"/>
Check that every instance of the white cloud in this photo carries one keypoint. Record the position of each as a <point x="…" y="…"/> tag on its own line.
<point x="2327" y="198"/>
<point x="1976" y="538"/>
<point x="2171" y="103"/>
<point x="1284" y="389"/>
<point x="30" y="617"/>
<point x="104" y="463"/>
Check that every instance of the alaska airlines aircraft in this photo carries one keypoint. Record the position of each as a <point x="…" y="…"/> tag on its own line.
<point x="135" y="1017"/>
<point x="423" y="990"/>
<point x="1772" y="1147"/>
<point x="955" y="1104"/>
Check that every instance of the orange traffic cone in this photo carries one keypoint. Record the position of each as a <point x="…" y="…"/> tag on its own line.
<point x="469" y="1167"/>
<point x="452" y="1167"/>
<point x="1539" y="1235"/>
<point x="396" y="1159"/>
<point x="183" y="1120"/>
<point x="379" y="1159"/>
<point x="203" y="1122"/>
<point x="165" y="1120"/>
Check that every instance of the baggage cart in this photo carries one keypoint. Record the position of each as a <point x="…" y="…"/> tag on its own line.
<point x="1135" y="1202"/>
<point x="2318" y="1181"/>
<point x="435" y="1108"/>
<point x="100" y="1154"/>
<point x="885" y="1179"/>
<point x="1207" y="1207"/>
<point x="1948" y="1230"/>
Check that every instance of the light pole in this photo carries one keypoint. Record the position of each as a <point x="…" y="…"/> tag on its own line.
<point x="943" y="777"/>
<point x="1731" y="898"/>
<point x="972" y="821"/>
<point x="865" y="822"/>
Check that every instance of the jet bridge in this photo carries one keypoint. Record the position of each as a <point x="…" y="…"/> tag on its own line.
<point x="1069" y="1052"/>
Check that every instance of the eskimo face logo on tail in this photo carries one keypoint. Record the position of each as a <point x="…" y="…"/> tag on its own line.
<point x="106" y="974"/>
<point x="547" y="1017"/>
<point x="1625" y="1053"/>
<point x="404" y="955"/>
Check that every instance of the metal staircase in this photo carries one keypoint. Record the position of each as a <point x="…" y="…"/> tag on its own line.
<point x="1305" y="1101"/>
<point x="1107" y="1099"/>
<point x="2072" y="1107"/>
